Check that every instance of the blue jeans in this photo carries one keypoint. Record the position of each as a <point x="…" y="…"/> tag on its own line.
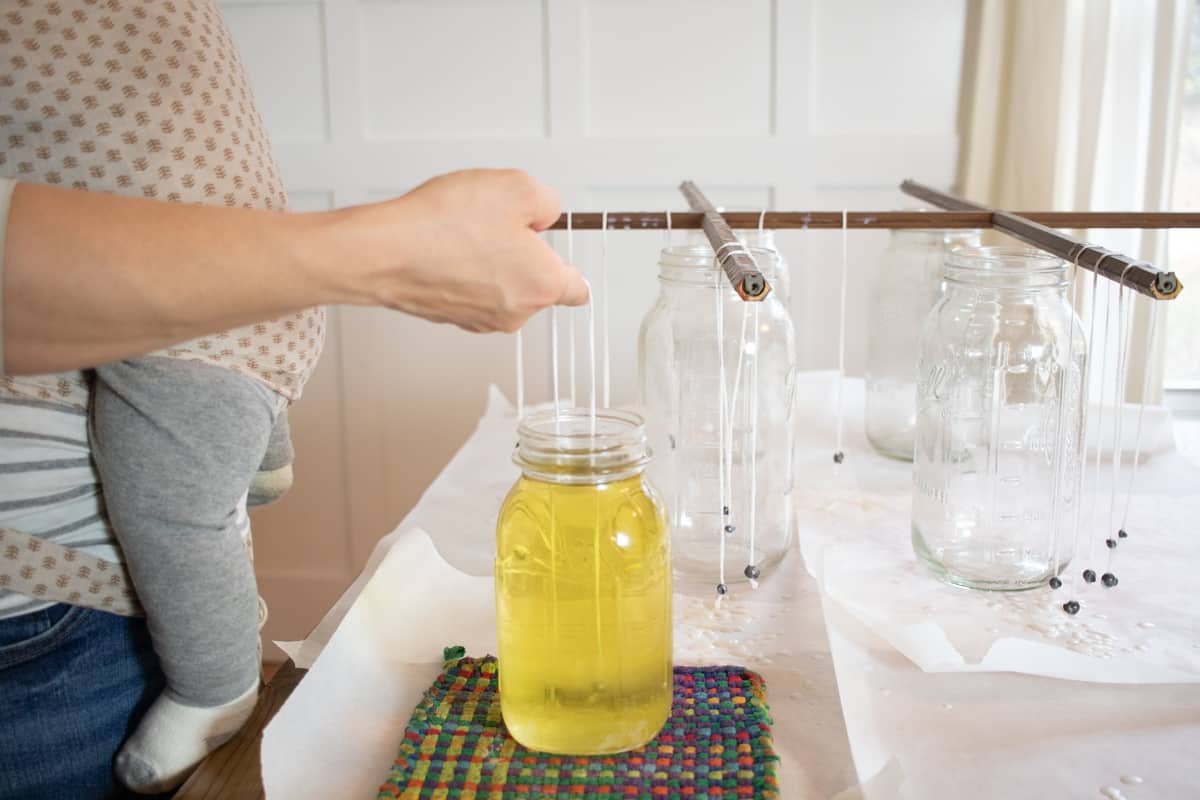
<point x="73" y="684"/>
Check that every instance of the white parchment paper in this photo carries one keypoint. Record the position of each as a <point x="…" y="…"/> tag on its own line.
<point x="379" y="648"/>
<point x="854" y="526"/>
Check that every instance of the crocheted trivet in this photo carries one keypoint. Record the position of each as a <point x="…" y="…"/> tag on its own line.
<point x="716" y="743"/>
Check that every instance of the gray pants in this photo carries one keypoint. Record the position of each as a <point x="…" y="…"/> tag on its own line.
<point x="177" y="444"/>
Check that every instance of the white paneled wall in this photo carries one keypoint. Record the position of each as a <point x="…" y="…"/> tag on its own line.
<point x="788" y="104"/>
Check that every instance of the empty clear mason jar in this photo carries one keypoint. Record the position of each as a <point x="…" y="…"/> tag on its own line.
<point x="910" y="280"/>
<point x="998" y="440"/>
<point x="680" y="391"/>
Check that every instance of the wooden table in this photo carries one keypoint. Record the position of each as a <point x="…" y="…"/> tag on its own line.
<point x="234" y="770"/>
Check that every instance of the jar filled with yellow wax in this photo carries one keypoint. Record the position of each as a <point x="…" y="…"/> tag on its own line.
<point x="583" y="588"/>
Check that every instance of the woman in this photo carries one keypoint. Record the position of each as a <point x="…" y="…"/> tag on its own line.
<point x="89" y="277"/>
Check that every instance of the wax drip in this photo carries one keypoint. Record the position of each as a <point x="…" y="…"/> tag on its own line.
<point x="839" y="455"/>
<point x="604" y="312"/>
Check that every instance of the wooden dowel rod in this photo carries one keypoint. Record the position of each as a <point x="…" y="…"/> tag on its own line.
<point x="1138" y="275"/>
<point x="882" y="220"/>
<point x="732" y="255"/>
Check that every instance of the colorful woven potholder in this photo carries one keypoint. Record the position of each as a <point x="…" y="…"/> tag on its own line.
<point x="716" y="743"/>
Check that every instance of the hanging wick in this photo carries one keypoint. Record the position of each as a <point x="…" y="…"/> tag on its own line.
<point x="838" y="454"/>
<point x="591" y="315"/>
<point x="604" y="318"/>
<point x="571" y="316"/>
<point x="520" y="376"/>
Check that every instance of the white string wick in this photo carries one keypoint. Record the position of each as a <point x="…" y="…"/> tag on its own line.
<point x="1122" y="533"/>
<point x="762" y="215"/>
<point x="1094" y="516"/>
<point x="1062" y="407"/>
<point x="571" y="316"/>
<point x="735" y="248"/>
<point x="1110" y="540"/>
<point x="731" y="414"/>
<point x="839" y="455"/>
<point x="554" y="361"/>
<point x="520" y="376"/>
<point x="1084" y="402"/>
<point x="722" y="587"/>
<point x="605" y="309"/>
<point x="752" y="569"/>
<point x="668" y="244"/>
<point x="591" y="314"/>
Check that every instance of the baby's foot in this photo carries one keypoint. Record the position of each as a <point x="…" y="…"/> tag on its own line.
<point x="173" y="738"/>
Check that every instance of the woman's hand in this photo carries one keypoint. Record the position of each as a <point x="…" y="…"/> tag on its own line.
<point x="461" y="248"/>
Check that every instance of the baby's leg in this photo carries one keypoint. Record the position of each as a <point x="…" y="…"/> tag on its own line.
<point x="274" y="476"/>
<point x="177" y="444"/>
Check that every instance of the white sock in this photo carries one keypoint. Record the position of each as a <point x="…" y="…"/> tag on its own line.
<point x="173" y="738"/>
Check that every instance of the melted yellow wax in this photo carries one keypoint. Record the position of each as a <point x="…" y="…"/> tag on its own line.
<point x="583" y="601"/>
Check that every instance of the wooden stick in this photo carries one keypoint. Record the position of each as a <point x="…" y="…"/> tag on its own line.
<point x="1137" y="275"/>
<point x="732" y="255"/>
<point x="882" y="220"/>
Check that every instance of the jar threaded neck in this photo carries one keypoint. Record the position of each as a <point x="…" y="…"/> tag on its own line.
<point x="572" y="447"/>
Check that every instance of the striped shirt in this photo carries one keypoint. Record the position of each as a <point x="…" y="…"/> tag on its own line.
<point x="48" y="485"/>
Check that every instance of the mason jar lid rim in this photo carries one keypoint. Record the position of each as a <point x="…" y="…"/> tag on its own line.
<point x="542" y="424"/>
<point x="992" y="258"/>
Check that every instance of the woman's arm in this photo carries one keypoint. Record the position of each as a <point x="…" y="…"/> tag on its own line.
<point x="90" y="277"/>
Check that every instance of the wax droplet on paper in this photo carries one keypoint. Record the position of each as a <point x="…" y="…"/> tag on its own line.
<point x="1146" y="624"/>
<point x="1130" y="780"/>
<point x="1112" y="793"/>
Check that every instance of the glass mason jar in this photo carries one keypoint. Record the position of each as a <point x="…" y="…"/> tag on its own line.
<point x="583" y="588"/>
<point x="998" y="444"/>
<point x="910" y="280"/>
<point x="679" y="392"/>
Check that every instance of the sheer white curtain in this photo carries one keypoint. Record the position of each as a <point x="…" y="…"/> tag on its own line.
<point x="1074" y="105"/>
